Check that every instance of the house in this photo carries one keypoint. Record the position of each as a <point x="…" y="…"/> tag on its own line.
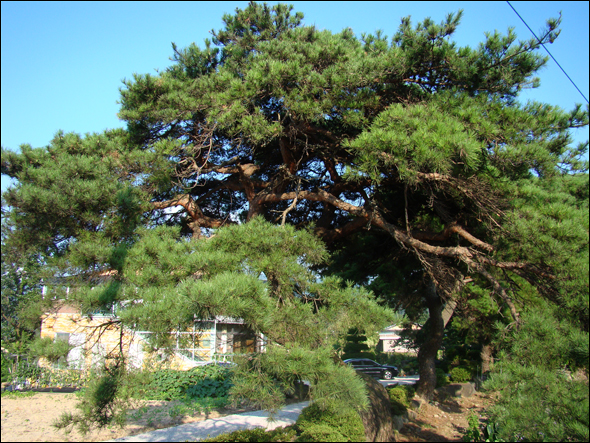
<point x="389" y="340"/>
<point x="96" y="338"/>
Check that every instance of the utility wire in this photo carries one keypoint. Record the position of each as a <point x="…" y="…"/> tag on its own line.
<point x="547" y="51"/>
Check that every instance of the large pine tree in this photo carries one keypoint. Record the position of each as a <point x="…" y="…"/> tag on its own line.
<point x="413" y="142"/>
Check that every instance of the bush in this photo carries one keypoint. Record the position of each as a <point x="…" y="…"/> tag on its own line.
<point x="26" y="371"/>
<point x="258" y="435"/>
<point x="341" y="423"/>
<point x="441" y="378"/>
<point x="475" y="432"/>
<point x="400" y="398"/>
<point x="321" y="432"/>
<point x="168" y="384"/>
<point x="59" y="378"/>
<point x="209" y="388"/>
<point x="460" y="375"/>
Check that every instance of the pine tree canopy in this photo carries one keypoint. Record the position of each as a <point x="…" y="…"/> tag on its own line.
<point x="411" y="140"/>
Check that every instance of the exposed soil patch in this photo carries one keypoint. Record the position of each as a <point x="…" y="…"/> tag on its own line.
<point x="445" y="418"/>
<point x="31" y="418"/>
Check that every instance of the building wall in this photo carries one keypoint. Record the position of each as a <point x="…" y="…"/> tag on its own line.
<point x="94" y="340"/>
<point x="97" y="339"/>
<point x="388" y="341"/>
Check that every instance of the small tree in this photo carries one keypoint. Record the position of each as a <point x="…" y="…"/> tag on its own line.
<point x="355" y="346"/>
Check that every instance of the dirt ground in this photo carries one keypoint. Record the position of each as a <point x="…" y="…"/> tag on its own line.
<point x="445" y="418"/>
<point x="30" y="418"/>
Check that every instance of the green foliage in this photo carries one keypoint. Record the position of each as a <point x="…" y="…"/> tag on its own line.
<point x="460" y="375"/>
<point x="209" y="388"/>
<point x="355" y="346"/>
<point x="539" y="400"/>
<point x="474" y="433"/>
<point x="30" y="375"/>
<point x="99" y="406"/>
<point x="539" y="404"/>
<point x="6" y="366"/>
<point x="265" y="378"/>
<point x="317" y="424"/>
<point x="400" y="398"/>
<point x="321" y="432"/>
<point x="26" y="371"/>
<point x="420" y="138"/>
<point x="412" y="150"/>
<point x="168" y="384"/>
<point x="442" y="379"/>
<point x="546" y="341"/>
<point x="549" y="225"/>
<point x="291" y="308"/>
<point x="22" y="302"/>
<point x="49" y="348"/>
<point x="258" y="435"/>
<point x="17" y="394"/>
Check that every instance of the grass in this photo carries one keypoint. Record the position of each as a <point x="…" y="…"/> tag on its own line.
<point x="17" y="394"/>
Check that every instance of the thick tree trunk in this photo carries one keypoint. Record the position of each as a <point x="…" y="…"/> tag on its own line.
<point x="439" y="316"/>
<point x="434" y="328"/>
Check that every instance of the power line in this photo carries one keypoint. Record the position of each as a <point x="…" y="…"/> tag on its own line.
<point x="541" y="43"/>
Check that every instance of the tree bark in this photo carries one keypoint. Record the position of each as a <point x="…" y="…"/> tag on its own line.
<point x="486" y="357"/>
<point x="439" y="316"/>
<point x="434" y="328"/>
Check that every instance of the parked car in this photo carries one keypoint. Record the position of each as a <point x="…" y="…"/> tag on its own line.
<point x="373" y="368"/>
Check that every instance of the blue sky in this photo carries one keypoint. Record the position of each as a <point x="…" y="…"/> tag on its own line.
<point x="62" y="62"/>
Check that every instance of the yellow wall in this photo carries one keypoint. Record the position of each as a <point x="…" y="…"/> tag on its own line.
<point x="97" y="339"/>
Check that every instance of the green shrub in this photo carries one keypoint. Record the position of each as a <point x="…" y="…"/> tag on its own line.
<point x="59" y="378"/>
<point x="26" y="371"/>
<point x="209" y="388"/>
<point x="442" y="379"/>
<point x="321" y="432"/>
<point x="346" y="422"/>
<point x="460" y="375"/>
<point x="257" y="435"/>
<point x="168" y="384"/>
<point x="410" y="366"/>
<point x="400" y="398"/>
<point x="478" y="433"/>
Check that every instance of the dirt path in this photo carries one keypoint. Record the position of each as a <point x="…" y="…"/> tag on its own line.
<point x="30" y="418"/>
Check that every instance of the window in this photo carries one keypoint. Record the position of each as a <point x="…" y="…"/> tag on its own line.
<point x="62" y="336"/>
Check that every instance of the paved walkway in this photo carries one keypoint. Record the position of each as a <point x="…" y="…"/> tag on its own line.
<point x="212" y="427"/>
<point x="405" y="380"/>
